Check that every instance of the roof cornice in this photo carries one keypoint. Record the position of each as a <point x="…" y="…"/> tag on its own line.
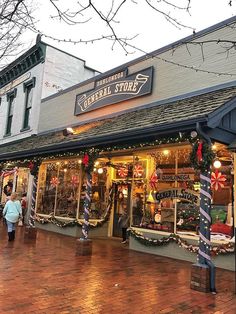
<point x="24" y="63"/>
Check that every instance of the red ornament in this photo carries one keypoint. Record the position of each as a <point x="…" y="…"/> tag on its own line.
<point x="85" y="160"/>
<point x="199" y="152"/>
<point x="153" y="180"/>
<point x="138" y="171"/>
<point x="217" y="180"/>
<point x="54" y="181"/>
<point x="123" y="172"/>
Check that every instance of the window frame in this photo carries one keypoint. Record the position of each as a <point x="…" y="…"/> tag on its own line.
<point x="27" y="88"/>
<point x="10" y="99"/>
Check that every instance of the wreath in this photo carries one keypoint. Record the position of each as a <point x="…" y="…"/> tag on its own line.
<point x="202" y="156"/>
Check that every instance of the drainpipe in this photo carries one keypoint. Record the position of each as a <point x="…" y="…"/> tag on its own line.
<point x="205" y="217"/>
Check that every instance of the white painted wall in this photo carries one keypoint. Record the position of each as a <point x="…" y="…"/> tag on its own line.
<point x="59" y="71"/>
<point x="19" y="108"/>
<point x="63" y="70"/>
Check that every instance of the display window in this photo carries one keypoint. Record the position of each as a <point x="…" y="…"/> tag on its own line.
<point x="61" y="189"/>
<point x="58" y="188"/>
<point x="22" y="181"/>
<point x="172" y="194"/>
<point x="100" y="186"/>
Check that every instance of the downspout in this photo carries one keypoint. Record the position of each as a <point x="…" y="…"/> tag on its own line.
<point x="206" y="237"/>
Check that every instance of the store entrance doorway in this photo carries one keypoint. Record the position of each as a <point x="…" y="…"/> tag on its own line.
<point x="122" y="201"/>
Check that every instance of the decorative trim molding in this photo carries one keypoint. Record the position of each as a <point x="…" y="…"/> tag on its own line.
<point x="29" y="83"/>
<point x="23" y="64"/>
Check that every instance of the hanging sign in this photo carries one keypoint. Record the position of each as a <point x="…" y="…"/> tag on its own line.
<point x="115" y="88"/>
<point x="176" y="177"/>
<point x="182" y="194"/>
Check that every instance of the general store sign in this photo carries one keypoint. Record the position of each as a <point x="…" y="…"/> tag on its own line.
<point x="115" y="88"/>
<point x="182" y="194"/>
<point x="176" y="177"/>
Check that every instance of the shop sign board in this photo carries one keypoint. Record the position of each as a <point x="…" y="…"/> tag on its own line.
<point x="179" y="193"/>
<point x="176" y="177"/>
<point x="115" y="88"/>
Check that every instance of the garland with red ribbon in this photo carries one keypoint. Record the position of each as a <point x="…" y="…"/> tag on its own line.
<point x="201" y="156"/>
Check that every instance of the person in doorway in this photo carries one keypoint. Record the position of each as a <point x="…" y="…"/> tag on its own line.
<point x="137" y="210"/>
<point x="24" y="206"/>
<point x="12" y="211"/>
<point x="124" y="224"/>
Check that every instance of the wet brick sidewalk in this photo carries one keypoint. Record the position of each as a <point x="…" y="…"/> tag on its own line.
<point x="45" y="277"/>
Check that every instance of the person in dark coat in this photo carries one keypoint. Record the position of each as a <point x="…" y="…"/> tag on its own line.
<point x="124" y="224"/>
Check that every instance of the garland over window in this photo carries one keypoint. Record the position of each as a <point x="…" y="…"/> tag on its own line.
<point x="202" y="156"/>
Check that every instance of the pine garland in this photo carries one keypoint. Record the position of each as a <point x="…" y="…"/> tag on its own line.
<point x="73" y="223"/>
<point x="215" y="250"/>
<point x="207" y="156"/>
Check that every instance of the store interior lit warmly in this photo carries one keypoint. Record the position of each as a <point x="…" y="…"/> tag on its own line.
<point x="157" y="187"/>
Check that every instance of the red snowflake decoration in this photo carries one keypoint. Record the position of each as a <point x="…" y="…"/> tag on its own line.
<point x="153" y="181"/>
<point x="138" y="171"/>
<point x="123" y="172"/>
<point x="74" y="180"/>
<point x="54" y="181"/>
<point x="217" y="180"/>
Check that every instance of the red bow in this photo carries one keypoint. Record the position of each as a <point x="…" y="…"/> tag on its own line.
<point x="31" y="165"/>
<point x="85" y="160"/>
<point x="199" y="152"/>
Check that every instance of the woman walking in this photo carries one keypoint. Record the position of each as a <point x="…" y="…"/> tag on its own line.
<point x="12" y="211"/>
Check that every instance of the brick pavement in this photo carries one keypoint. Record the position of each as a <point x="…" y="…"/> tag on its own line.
<point x="46" y="277"/>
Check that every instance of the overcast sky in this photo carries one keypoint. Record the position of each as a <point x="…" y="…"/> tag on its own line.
<point x="153" y="30"/>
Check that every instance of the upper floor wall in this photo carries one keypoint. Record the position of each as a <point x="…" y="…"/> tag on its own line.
<point x="178" y="69"/>
<point x="30" y="78"/>
<point x="63" y="70"/>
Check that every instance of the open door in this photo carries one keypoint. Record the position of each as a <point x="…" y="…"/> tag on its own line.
<point x="121" y="201"/>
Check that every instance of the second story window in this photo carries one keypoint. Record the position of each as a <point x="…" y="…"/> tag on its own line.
<point x="28" y="89"/>
<point x="11" y="99"/>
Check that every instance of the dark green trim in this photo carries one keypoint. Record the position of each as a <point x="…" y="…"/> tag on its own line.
<point x="25" y="129"/>
<point x="29" y="83"/>
<point x="11" y="93"/>
<point x="24" y="63"/>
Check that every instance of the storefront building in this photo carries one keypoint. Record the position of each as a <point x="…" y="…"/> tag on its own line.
<point x="36" y="74"/>
<point x="155" y="139"/>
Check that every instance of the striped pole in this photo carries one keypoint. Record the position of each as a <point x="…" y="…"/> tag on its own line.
<point x="204" y="257"/>
<point x="205" y="218"/>
<point x="87" y="203"/>
<point x="33" y="203"/>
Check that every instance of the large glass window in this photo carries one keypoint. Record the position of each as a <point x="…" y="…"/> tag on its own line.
<point x="22" y="181"/>
<point x="100" y="192"/>
<point x="61" y="189"/>
<point x="222" y="194"/>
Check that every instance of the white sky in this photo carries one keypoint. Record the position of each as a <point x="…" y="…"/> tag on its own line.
<point x="153" y="29"/>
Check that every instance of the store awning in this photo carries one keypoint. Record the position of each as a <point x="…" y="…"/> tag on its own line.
<point x="213" y="110"/>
